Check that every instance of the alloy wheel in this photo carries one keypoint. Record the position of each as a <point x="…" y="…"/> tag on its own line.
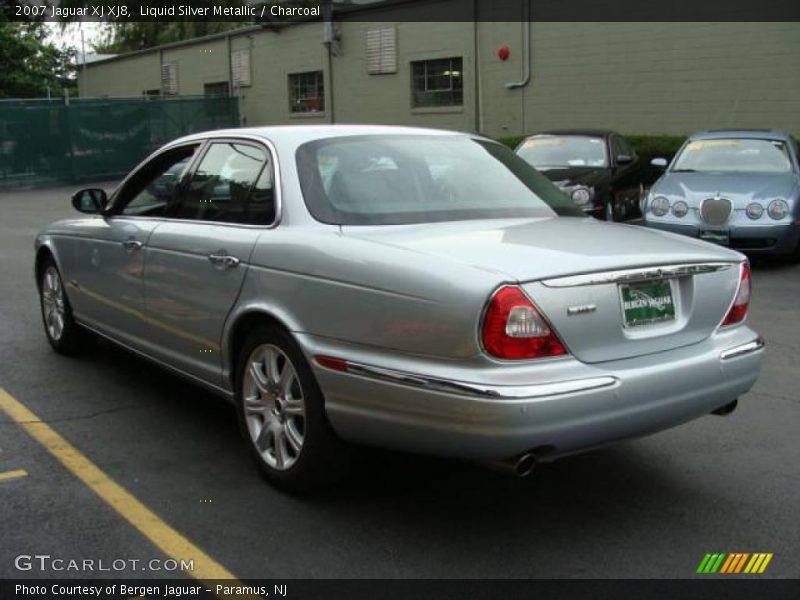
<point x="274" y="406"/>
<point x="53" y="303"/>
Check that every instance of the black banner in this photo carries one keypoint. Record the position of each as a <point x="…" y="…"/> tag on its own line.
<point x="275" y="12"/>
<point x="727" y="588"/>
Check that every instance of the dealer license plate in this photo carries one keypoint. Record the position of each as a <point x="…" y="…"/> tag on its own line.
<point x="647" y="302"/>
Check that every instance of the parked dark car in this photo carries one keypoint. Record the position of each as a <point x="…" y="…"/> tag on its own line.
<point x="598" y="169"/>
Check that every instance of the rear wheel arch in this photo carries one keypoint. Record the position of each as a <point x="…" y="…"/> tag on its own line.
<point x="239" y="331"/>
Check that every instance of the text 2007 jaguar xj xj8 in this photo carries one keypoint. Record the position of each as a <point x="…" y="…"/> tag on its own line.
<point x="413" y="289"/>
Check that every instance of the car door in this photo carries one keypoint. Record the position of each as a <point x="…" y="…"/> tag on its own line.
<point x="195" y="261"/>
<point x="109" y="254"/>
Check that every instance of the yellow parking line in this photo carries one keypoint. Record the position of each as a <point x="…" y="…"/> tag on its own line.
<point x="149" y="524"/>
<point x="13" y="474"/>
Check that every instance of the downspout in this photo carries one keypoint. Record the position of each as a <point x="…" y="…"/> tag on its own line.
<point x="477" y="70"/>
<point x="526" y="50"/>
<point x="329" y="38"/>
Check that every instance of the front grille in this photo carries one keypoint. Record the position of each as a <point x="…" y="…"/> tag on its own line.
<point x="715" y="211"/>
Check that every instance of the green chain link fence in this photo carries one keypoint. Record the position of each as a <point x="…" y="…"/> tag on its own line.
<point x="46" y="142"/>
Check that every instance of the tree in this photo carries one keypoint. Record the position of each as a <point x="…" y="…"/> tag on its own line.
<point x="128" y="36"/>
<point x="29" y="64"/>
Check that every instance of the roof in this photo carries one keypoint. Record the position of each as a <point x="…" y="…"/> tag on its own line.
<point x="299" y="134"/>
<point x="715" y="134"/>
<point x="587" y="132"/>
<point x="341" y="8"/>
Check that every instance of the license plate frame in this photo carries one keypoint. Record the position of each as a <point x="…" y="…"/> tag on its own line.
<point x="721" y="237"/>
<point x="651" y="307"/>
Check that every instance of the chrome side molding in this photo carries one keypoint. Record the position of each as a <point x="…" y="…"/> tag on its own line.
<point x="747" y="348"/>
<point x="498" y="392"/>
<point x="637" y="274"/>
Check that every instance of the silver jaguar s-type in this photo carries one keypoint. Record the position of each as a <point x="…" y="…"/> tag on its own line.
<point x="407" y="288"/>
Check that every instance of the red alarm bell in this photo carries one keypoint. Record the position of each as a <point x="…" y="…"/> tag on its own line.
<point x="503" y="53"/>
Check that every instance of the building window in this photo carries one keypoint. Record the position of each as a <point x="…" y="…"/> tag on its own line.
<point x="219" y="88"/>
<point x="306" y="92"/>
<point x="382" y="51"/>
<point x="240" y="68"/>
<point x="169" y="79"/>
<point x="437" y="82"/>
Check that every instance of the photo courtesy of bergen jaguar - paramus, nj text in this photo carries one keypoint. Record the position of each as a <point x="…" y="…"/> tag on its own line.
<point x="414" y="289"/>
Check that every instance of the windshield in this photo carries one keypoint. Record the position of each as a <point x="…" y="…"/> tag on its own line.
<point x="564" y="151"/>
<point x="398" y="179"/>
<point x="732" y="155"/>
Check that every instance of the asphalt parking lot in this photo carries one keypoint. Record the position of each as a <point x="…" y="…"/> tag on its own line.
<point x="649" y="508"/>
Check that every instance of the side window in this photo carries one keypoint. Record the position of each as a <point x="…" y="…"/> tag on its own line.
<point x="261" y="204"/>
<point x="153" y="188"/>
<point x="222" y="187"/>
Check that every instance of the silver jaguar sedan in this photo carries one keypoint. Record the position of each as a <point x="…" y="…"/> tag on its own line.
<point x="414" y="289"/>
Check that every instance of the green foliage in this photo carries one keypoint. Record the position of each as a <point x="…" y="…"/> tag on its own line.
<point x="129" y="36"/>
<point x="656" y="146"/>
<point x="513" y="141"/>
<point x="646" y="146"/>
<point x="29" y="63"/>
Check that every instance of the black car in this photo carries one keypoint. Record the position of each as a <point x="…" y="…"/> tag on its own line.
<point x="598" y="169"/>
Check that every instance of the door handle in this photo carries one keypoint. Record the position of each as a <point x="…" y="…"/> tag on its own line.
<point x="132" y="245"/>
<point x="223" y="261"/>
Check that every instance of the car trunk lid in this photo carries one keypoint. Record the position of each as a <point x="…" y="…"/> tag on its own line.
<point x="613" y="267"/>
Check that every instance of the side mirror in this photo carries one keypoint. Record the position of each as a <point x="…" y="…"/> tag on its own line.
<point x="661" y="163"/>
<point x="624" y="159"/>
<point x="91" y="201"/>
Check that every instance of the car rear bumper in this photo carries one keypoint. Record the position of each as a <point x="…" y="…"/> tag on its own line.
<point x="566" y="406"/>
<point x="753" y="239"/>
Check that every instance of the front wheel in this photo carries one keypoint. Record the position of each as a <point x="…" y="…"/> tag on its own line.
<point x="282" y="414"/>
<point x="63" y="333"/>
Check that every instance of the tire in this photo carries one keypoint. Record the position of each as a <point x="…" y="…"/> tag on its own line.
<point x="282" y="413"/>
<point x="64" y="334"/>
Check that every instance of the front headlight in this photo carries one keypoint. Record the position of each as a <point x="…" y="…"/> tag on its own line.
<point x="778" y="209"/>
<point x="754" y="210"/>
<point x="659" y="206"/>
<point x="582" y="195"/>
<point x="680" y="208"/>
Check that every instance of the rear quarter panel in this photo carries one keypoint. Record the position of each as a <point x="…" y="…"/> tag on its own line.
<point x="319" y="282"/>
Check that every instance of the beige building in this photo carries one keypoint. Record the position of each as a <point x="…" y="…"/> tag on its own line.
<point x="644" y="78"/>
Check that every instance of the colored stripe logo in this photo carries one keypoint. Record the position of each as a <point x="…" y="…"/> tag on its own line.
<point x="735" y="562"/>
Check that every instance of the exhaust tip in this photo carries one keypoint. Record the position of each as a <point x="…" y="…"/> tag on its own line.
<point x="517" y="466"/>
<point x="525" y="465"/>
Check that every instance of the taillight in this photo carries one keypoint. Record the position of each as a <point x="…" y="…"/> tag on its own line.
<point x="514" y="329"/>
<point x="741" y="303"/>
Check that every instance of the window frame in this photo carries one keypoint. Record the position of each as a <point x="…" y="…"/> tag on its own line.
<point x="291" y="88"/>
<point x="115" y="210"/>
<point x="203" y="144"/>
<point x="198" y="160"/>
<point x="451" y="90"/>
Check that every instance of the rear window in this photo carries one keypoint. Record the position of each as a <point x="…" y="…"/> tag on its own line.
<point x="400" y="179"/>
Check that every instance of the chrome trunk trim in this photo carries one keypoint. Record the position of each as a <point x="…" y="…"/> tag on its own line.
<point x="498" y="392"/>
<point x="637" y="274"/>
<point x="747" y="348"/>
